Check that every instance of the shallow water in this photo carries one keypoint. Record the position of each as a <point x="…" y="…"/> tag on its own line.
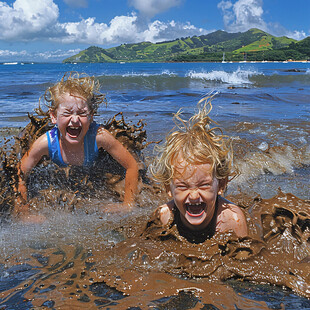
<point x="70" y="259"/>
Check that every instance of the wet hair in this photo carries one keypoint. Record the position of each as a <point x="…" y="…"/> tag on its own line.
<point x="197" y="143"/>
<point x="76" y="84"/>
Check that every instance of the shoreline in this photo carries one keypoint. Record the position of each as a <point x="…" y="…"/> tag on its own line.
<point x="14" y="63"/>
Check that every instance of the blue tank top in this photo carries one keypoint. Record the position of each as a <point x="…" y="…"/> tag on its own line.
<point x="90" y="146"/>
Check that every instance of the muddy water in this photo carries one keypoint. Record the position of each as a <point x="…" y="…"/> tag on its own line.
<point x="83" y="259"/>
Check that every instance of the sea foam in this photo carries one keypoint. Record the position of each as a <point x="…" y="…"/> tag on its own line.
<point x="237" y="77"/>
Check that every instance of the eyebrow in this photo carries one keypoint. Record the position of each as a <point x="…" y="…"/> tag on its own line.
<point x="208" y="179"/>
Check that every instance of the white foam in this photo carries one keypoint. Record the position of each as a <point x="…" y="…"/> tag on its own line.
<point x="145" y="74"/>
<point x="237" y="77"/>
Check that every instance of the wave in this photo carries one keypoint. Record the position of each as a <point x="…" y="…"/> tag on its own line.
<point x="215" y="78"/>
<point x="238" y="77"/>
<point x="278" y="80"/>
<point x="145" y="74"/>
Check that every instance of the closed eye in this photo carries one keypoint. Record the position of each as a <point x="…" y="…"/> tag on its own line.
<point x="205" y="185"/>
<point x="181" y="186"/>
<point x="83" y="114"/>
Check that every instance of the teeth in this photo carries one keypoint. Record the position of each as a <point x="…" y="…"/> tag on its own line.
<point x="195" y="204"/>
<point x="74" y="127"/>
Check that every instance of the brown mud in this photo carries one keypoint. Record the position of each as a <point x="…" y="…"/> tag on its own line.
<point x="150" y="266"/>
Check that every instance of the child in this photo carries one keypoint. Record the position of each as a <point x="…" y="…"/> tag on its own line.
<point x="75" y="138"/>
<point x="194" y="164"/>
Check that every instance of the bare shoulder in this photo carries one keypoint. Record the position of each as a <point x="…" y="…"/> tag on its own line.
<point x="165" y="212"/>
<point x="231" y="217"/>
<point x="38" y="149"/>
<point x="39" y="146"/>
<point x="104" y="138"/>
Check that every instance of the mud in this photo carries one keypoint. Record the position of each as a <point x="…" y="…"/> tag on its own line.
<point x="146" y="265"/>
<point x="51" y="186"/>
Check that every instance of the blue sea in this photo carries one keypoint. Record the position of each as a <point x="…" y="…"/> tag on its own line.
<point x="264" y="107"/>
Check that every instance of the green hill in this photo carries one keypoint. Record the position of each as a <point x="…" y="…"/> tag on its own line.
<point x="253" y="43"/>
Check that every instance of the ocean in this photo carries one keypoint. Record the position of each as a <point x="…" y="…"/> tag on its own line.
<point x="264" y="107"/>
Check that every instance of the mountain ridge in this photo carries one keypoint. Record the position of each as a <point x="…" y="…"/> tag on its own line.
<point x="254" y="44"/>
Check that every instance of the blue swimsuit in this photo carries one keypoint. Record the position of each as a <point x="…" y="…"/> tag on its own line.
<point x="90" y="146"/>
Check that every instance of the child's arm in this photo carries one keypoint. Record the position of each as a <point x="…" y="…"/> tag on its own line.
<point x="27" y="163"/>
<point x="122" y="155"/>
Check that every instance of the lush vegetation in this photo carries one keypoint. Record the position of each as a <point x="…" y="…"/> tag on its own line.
<point x="252" y="45"/>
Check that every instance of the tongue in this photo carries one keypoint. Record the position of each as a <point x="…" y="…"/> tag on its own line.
<point x="195" y="209"/>
<point x="73" y="132"/>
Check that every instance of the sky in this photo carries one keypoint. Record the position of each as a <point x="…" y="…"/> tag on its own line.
<point x="52" y="30"/>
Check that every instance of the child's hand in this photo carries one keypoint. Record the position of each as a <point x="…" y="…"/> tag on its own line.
<point x="117" y="207"/>
<point x="23" y="214"/>
<point x="32" y="219"/>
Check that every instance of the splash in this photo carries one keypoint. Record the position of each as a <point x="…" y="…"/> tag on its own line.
<point x="238" y="77"/>
<point x="80" y="258"/>
<point x="156" y="266"/>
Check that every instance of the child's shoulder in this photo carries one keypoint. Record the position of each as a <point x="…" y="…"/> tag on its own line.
<point x="40" y="144"/>
<point x="230" y="217"/>
<point x="103" y="135"/>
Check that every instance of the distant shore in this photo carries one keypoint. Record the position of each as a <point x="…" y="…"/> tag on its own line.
<point x="123" y="62"/>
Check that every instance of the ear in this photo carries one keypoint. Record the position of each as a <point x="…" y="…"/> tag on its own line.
<point x="222" y="185"/>
<point x="53" y="116"/>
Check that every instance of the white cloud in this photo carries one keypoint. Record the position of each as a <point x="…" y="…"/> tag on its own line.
<point x="88" y="31"/>
<point x="159" y="31"/>
<point x="297" y="35"/>
<point x="242" y="15"/>
<point x="151" y="8"/>
<point x="7" y="55"/>
<point x="126" y="29"/>
<point x="27" y="19"/>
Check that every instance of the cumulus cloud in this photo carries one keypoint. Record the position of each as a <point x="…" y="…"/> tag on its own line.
<point x="28" y="19"/>
<point x="151" y="8"/>
<point x="243" y="15"/>
<point x="126" y="29"/>
<point x="88" y="31"/>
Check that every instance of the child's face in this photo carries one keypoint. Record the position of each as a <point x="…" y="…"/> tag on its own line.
<point x="194" y="191"/>
<point x="72" y="118"/>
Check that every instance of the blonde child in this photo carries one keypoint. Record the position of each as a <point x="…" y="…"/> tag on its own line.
<point x="75" y="138"/>
<point x="194" y="164"/>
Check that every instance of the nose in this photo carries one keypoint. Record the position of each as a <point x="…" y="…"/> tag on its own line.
<point x="75" y="119"/>
<point x="194" y="194"/>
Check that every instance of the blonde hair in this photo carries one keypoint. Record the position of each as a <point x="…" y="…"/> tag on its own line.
<point x="75" y="84"/>
<point x="197" y="142"/>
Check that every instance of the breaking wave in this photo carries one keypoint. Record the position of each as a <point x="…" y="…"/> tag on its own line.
<point x="237" y="77"/>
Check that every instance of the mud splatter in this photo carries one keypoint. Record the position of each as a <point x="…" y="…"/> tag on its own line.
<point x="145" y="265"/>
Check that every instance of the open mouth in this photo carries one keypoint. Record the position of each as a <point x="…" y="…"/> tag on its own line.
<point x="74" y="132"/>
<point x="195" y="209"/>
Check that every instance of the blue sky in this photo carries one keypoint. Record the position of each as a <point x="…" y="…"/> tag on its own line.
<point x="51" y="30"/>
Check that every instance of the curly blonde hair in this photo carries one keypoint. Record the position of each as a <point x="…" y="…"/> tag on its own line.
<point x="77" y="84"/>
<point x="197" y="143"/>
